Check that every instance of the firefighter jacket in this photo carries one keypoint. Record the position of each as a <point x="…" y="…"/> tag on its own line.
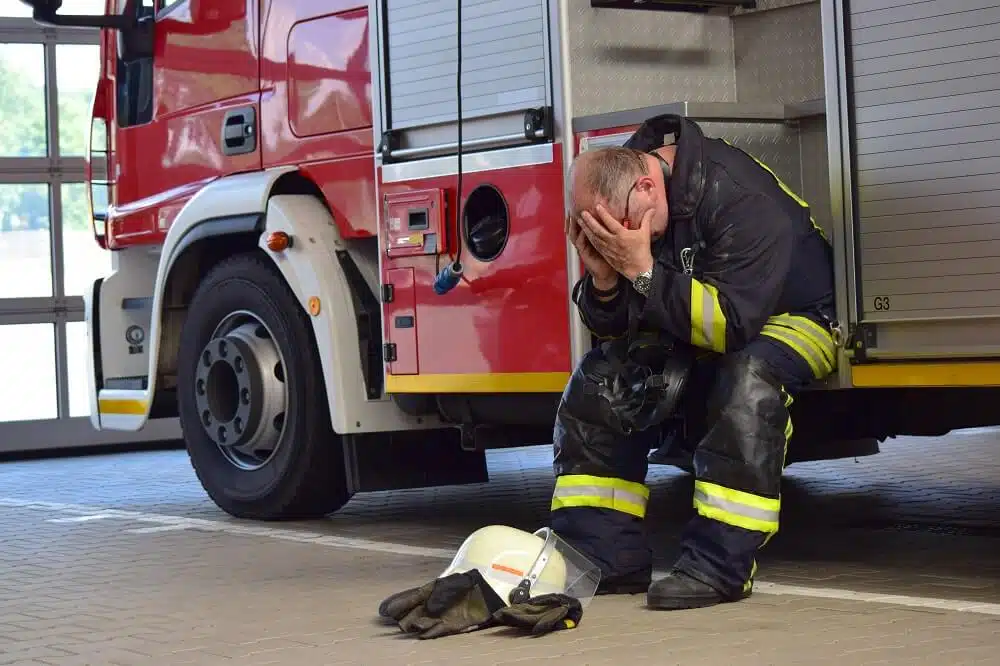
<point x="740" y="253"/>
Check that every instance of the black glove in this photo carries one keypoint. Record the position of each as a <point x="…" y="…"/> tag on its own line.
<point x="451" y="605"/>
<point x="542" y="614"/>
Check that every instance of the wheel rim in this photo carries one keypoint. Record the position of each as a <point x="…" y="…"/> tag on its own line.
<point x="240" y="391"/>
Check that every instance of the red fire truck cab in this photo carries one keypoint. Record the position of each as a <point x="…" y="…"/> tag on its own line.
<point x="338" y="224"/>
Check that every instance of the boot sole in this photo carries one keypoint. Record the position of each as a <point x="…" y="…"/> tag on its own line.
<point x="658" y="602"/>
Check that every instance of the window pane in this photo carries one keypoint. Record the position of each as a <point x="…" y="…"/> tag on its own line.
<point x="77" y="69"/>
<point x="25" y="259"/>
<point x="83" y="259"/>
<point x="27" y="351"/>
<point x="16" y="8"/>
<point x="82" y="7"/>
<point x="22" y="101"/>
<point x="77" y="348"/>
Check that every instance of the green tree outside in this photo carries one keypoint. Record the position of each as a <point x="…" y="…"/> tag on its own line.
<point x="22" y="134"/>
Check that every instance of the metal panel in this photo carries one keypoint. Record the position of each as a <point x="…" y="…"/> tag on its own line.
<point x="816" y="172"/>
<point x="77" y="433"/>
<point x="778" y="55"/>
<point x="927" y="145"/>
<point x="623" y="59"/>
<point x="503" y="58"/>
<point x="774" y="144"/>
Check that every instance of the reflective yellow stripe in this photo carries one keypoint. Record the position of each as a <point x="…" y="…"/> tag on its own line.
<point x="489" y="382"/>
<point x="708" y="324"/>
<point x="748" y="585"/>
<point x="927" y="373"/>
<point x="600" y="492"/>
<point x="807" y="339"/>
<point x="737" y="508"/>
<point x="122" y="406"/>
<point x="804" y="350"/>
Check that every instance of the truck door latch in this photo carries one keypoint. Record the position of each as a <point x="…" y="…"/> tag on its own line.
<point x="239" y="131"/>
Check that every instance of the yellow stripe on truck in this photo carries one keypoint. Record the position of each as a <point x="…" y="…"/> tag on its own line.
<point x="926" y="374"/>
<point x="120" y="406"/>
<point x="502" y="382"/>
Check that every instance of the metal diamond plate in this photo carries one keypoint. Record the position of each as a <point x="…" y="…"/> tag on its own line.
<point x="816" y="171"/>
<point x="775" y="145"/>
<point x="779" y="55"/>
<point x="631" y="59"/>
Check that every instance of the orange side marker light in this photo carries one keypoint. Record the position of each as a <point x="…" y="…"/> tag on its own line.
<point x="278" y="241"/>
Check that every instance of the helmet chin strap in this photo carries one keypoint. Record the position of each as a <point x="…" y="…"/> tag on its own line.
<point x="522" y="592"/>
<point x="664" y="167"/>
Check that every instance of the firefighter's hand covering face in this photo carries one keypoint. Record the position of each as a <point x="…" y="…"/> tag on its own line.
<point x="627" y="251"/>
<point x="596" y="265"/>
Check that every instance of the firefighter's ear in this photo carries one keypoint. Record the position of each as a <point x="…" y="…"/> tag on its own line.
<point x="646" y="185"/>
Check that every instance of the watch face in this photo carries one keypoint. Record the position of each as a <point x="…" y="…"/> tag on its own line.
<point x="641" y="284"/>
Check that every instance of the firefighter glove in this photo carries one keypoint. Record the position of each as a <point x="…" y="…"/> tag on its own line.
<point x="450" y="605"/>
<point x="542" y="614"/>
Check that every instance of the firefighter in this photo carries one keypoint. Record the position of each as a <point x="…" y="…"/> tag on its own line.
<point x="703" y="243"/>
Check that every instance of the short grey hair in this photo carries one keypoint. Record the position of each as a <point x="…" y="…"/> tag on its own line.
<point x="609" y="171"/>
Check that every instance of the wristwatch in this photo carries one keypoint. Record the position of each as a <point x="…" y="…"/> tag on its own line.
<point x="643" y="281"/>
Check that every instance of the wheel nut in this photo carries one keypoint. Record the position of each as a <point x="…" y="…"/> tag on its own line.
<point x="238" y="425"/>
<point x="223" y="349"/>
<point x="206" y="358"/>
<point x="238" y="363"/>
<point x="245" y="396"/>
<point x="200" y="387"/>
<point x="206" y="418"/>
<point x="222" y="433"/>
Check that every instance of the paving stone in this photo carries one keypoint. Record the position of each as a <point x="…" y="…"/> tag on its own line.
<point x="919" y="519"/>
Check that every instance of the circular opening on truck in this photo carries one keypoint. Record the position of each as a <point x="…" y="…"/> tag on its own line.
<point x="485" y="223"/>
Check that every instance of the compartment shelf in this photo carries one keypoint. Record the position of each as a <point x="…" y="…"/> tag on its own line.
<point x="738" y="112"/>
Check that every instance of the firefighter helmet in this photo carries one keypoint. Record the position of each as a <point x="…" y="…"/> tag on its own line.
<point x="519" y="565"/>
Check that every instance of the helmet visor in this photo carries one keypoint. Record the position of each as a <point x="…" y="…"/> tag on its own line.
<point x="559" y="569"/>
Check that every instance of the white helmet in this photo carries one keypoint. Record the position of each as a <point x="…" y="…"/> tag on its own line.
<point x="519" y="565"/>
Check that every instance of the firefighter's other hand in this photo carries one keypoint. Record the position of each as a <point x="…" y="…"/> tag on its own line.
<point x="628" y="251"/>
<point x="597" y="266"/>
<point x="542" y="614"/>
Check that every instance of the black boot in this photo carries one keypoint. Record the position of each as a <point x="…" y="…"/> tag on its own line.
<point x="679" y="591"/>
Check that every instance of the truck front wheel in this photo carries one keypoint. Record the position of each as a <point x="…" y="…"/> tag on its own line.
<point x="252" y="398"/>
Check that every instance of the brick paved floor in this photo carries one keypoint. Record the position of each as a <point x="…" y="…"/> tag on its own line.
<point x="122" y="560"/>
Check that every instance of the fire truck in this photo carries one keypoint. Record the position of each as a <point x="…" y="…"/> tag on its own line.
<point x="337" y="225"/>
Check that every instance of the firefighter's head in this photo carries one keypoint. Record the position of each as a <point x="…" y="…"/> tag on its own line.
<point x="626" y="182"/>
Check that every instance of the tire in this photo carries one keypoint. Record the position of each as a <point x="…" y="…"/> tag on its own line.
<point x="260" y="387"/>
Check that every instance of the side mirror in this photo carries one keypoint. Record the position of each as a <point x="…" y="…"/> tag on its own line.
<point x="135" y="33"/>
<point x="44" y="11"/>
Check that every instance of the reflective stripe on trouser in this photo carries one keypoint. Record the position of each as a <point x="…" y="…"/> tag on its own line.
<point x="600" y="497"/>
<point x="602" y="517"/>
<point x="738" y="467"/>
<point x="584" y="490"/>
<point x="807" y="339"/>
<point x="737" y="508"/>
